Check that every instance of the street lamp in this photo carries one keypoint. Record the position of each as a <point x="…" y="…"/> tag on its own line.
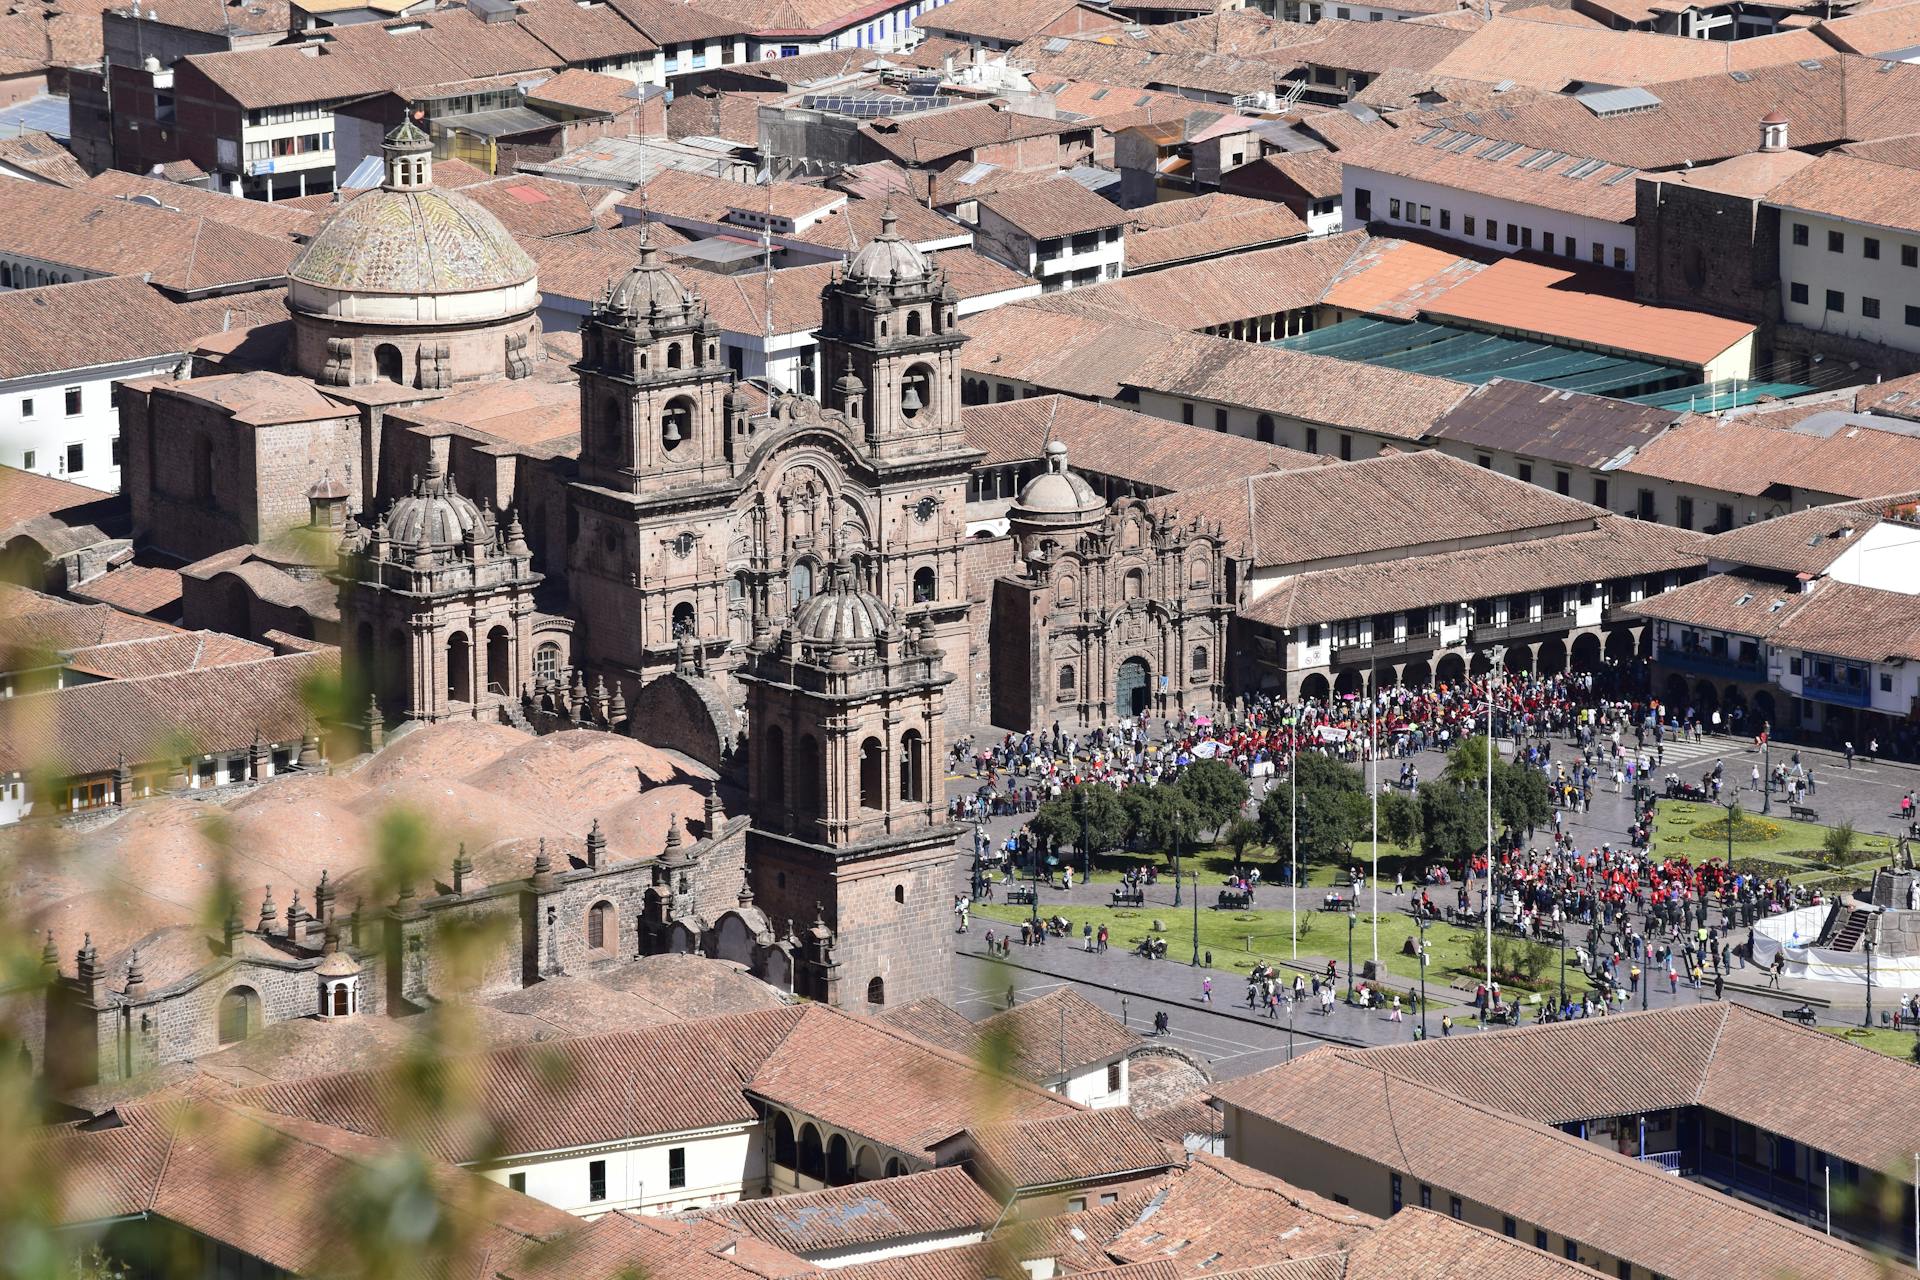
<point x="1563" y="964"/>
<point x="1196" y="919"/>
<point x="1176" y="866"/>
<point x="1033" y="905"/>
<point x="1421" y="920"/>
<point x="1873" y="922"/>
<point x="1496" y="658"/>
<point x="1766" y="779"/>
<point x="1293" y="837"/>
<point x="1353" y="922"/>
<point x="1289" y="1030"/>
<point x="1086" y="855"/>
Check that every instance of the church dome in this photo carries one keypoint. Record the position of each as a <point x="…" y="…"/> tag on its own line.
<point x="649" y="291"/>
<point x="435" y="513"/>
<point x="1056" y="496"/>
<point x="408" y="252"/>
<point x="841" y="614"/>
<point x="887" y="258"/>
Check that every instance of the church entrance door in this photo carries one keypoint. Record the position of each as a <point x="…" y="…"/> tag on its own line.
<point x="1130" y="687"/>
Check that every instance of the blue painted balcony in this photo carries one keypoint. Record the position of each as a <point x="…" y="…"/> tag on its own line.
<point x="1705" y="662"/>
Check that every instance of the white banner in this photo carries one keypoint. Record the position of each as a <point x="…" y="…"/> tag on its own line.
<point x="1792" y="934"/>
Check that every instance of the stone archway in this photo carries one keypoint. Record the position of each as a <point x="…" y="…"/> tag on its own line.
<point x="1450" y="670"/>
<point x="1519" y="660"/>
<point x="1553" y="657"/>
<point x="1314" y="688"/>
<point x="1132" y="687"/>
<point x="1706" y="698"/>
<point x="1586" y="652"/>
<point x="1620" y="647"/>
<point x="839" y="1161"/>
<point x="1417" y="673"/>
<point x="813" y="1154"/>
<point x="1676" y="694"/>
<point x="1346" y="683"/>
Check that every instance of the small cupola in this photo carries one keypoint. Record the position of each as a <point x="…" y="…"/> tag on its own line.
<point x="1773" y="132"/>
<point x="409" y="157"/>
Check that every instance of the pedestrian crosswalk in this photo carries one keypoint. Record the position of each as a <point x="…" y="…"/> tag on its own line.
<point x="1681" y="754"/>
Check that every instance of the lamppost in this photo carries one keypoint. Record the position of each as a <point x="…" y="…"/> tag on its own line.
<point x="1289" y="1030"/>
<point x="1766" y="778"/>
<point x="1421" y="920"/>
<point x="1353" y="922"/>
<point x="1176" y="865"/>
<point x="1293" y="838"/>
<point x="1373" y="792"/>
<point x="1033" y="905"/>
<point x="1496" y="658"/>
<point x="1196" y="919"/>
<point x="1563" y="964"/>
<point x="1086" y="854"/>
<point x="1873" y="922"/>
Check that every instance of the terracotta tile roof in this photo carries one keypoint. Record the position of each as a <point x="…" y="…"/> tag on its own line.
<point x="533" y="208"/>
<point x="1855" y="189"/>
<point x="42" y="156"/>
<point x="932" y="136"/>
<point x="1618" y="548"/>
<point x="1894" y="398"/>
<point x="95" y="323"/>
<point x="987" y="1260"/>
<point x="583" y="33"/>
<point x="1903" y="150"/>
<point x="1539" y="297"/>
<point x="1875" y="33"/>
<point x="1316" y="389"/>
<point x="1199" y="295"/>
<point x="1843" y="620"/>
<point x="1248" y="1218"/>
<point x="856" y="222"/>
<point x="974" y="275"/>
<point x="1462" y="160"/>
<point x="1549" y="55"/>
<point x="669" y="22"/>
<point x="932" y="1203"/>
<point x="587" y="90"/>
<point x="1082" y="355"/>
<point x="936" y="1022"/>
<point x="1377" y="509"/>
<point x="260" y="397"/>
<point x="26" y="494"/>
<point x="1056" y="207"/>
<point x="1804" y="541"/>
<point x="1421" y="1244"/>
<point x="706" y="198"/>
<point x="85" y="729"/>
<point x="564" y="1093"/>
<point x="1068" y="1150"/>
<point x="711" y="113"/>
<point x="1560" y="426"/>
<point x="1742" y="454"/>
<point x="1397" y="278"/>
<point x="1539" y="1174"/>
<point x="35" y="625"/>
<point x="1370" y="46"/>
<point x="164" y="655"/>
<point x="1162" y="68"/>
<point x="262" y="217"/>
<point x="180" y="252"/>
<point x="1005" y="20"/>
<point x="1060" y="1025"/>
<point x="1160" y="456"/>
<point x="870" y="1079"/>
<point x="1217" y="236"/>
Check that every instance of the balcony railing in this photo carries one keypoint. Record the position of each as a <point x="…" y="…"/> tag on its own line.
<point x="1708" y="663"/>
<point x="1669" y="1161"/>
<point x="1382" y="650"/>
<point x="1519" y="628"/>
<point x="1837" y="691"/>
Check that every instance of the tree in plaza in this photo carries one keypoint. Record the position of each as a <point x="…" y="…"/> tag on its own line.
<point x="1161" y="817"/>
<point x="1452" y="822"/>
<point x="1240" y="836"/>
<point x="1520" y="796"/>
<point x="1058" y="821"/>
<point x="1332" y="810"/>
<point x="1217" y="790"/>
<point x="1399" y="819"/>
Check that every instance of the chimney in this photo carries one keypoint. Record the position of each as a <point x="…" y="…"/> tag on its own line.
<point x="1773" y="132"/>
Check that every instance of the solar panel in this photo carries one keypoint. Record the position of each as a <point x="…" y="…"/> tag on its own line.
<point x="1740" y="77"/>
<point x="1501" y="152"/>
<point x="1466" y="143"/>
<point x="1430" y="134"/>
<point x="1586" y="169"/>
<point x="1619" y="177"/>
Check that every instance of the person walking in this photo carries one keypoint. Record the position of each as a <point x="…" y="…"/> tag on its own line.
<point x="1206" y="990"/>
<point x="1774" y="970"/>
<point x="1446" y="1024"/>
<point x="1719" y="985"/>
<point x="1395" y="1015"/>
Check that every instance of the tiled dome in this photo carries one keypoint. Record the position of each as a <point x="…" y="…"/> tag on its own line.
<point x="435" y="513"/>
<point x="888" y="259"/>
<point x="648" y="291"/>
<point x="1056" y="495"/>
<point x="412" y="242"/>
<point x="842" y="614"/>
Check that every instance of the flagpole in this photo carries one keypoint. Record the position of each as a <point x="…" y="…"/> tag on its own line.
<point x="1373" y="789"/>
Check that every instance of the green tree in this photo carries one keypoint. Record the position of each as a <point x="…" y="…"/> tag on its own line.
<point x="1400" y="819"/>
<point x="1451" y="823"/>
<point x="1329" y="819"/>
<point x="1058" y="820"/>
<point x="1520" y="796"/>
<point x="1838" y="843"/>
<point x="1240" y="836"/>
<point x="1217" y="790"/>
<point x="1161" y="817"/>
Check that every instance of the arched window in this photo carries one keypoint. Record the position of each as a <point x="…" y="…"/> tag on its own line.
<point x="916" y="391"/>
<point x="774" y="764"/>
<point x="877" y="992"/>
<point x="459" y="668"/>
<point x="387" y="363"/>
<point x="499" y="663"/>
<point x="900" y="894"/>
<point x="1064" y="591"/>
<point x="600" y="926"/>
<point x="806" y="769"/>
<point x="1199" y="657"/>
<point x="1067" y="678"/>
<point x="546" y="661"/>
<point x="913" y="324"/>
<point x="784" y="1147"/>
<point x="1135" y="585"/>
<point x="342" y="1000"/>
<point x="1263" y="428"/>
<point x="922" y="585"/>
<point x="870" y="796"/>
<point x="801" y="582"/>
<point x="682" y="620"/>
<point x="676" y="423"/>
<point x="613" y="421"/>
<point x="913" y="766"/>
<point x="673" y="355"/>
<point x="239" y="1014"/>
<point x="1198" y="574"/>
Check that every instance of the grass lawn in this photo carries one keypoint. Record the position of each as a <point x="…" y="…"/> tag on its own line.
<point x="1215" y="863"/>
<point x="1894" y="1044"/>
<point x="1684" y="828"/>
<point x="1240" y="939"/>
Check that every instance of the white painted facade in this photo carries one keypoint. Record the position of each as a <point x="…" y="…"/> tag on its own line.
<point x="783" y="232"/>
<point x="1325" y="217"/>
<point x="890" y="30"/>
<point x="1830" y="283"/>
<point x="1269" y="428"/>
<point x="1488" y="222"/>
<point x="64" y="422"/>
<point x="1098" y="1085"/>
<point x="713" y="1166"/>
<point x="698" y="55"/>
<point x="19" y="798"/>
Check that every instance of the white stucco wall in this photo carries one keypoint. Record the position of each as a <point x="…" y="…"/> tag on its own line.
<point x="1852" y="275"/>
<point x="1454" y="207"/>
<point x="720" y="1163"/>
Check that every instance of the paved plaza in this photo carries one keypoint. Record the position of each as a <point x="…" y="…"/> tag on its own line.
<point x="1238" y="1040"/>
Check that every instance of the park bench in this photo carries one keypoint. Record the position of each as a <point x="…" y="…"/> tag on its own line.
<point x="1686" y="791"/>
<point x="1803" y="812"/>
<point x="1129" y="898"/>
<point x="1235" y="900"/>
<point x="1020" y="895"/>
<point x="1337" y="904"/>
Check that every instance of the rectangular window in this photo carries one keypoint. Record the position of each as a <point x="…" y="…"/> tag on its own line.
<point x="27" y="460"/>
<point x="1426" y="1196"/>
<point x="1562" y="484"/>
<point x="1836" y="300"/>
<point x="676" y="1166"/>
<point x="597" y="1181"/>
<point x="1346" y="448"/>
<point x="1572" y="1251"/>
<point x="26" y="407"/>
<point x="1539" y="1238"/>
<point x="1513" y="234"/>
<point x="1797" y="293"/>
<point x="1723" y="516"/>
<point x="1599" y="492"/>
<point x="1483" y="460"/>
<point x="1426" y="215"/>
<point x="1624" y="1270"/>
<point x="1526" y="472"/>
<point x="1313" y="440"/>
<point x="1493" y="230"/>
<point x="1913" y="315"/>
<point x="1113" y="1077"/>
<point x="76" y="458"/>
<point x="1396" y="1197"/>
<point x="1646" y="504"/>
<point x="1546" y="242"/>
<point x="73" y="402"/>
<point x="1526" y="237"/>
<point x="1870" y="308"/>
<point x="1684" y="507"/>
<point x="518" y="1182"/>
<point x="1910" y="255"/>
<point x="1446" y="220"/>
<point x="1619" y="259"/>
<point x="1599" y="254"/>
<point x="1511" y="1227"/>
<point x="1870" y="248"/>
<point x="1219" y="419"/>
<point x="1886" y="682"/>
<point x="1466" y="225"/>
<point x="1393" y="207"/>
<point x="1836" y="242"/>
<point x="1186" y="413"/>
<point x="1453" y="1205"/>
<point x="1800" y="233"/>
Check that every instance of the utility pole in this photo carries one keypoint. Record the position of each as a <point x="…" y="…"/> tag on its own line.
<point x="1293" y="838"/>
<point x="1373" y="790"/>
<point x="1196" y="919"/>
<point x="1496" y="657"/>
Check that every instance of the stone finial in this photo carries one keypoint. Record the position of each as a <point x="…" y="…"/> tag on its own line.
<point x="517" y="537"/>
<point x="310" y="747"/>
<point x="745" y="896"/>
<point x="296" y="918"/>
<point x="323" y="897"/>
<point x="136" y="976"/>
<point x="86" y="959"/>
<point x="596" y="845"/>
<point x="713" y="808"/>
<point x="257" y="759"/>
<point x="673" y="833"/>
<point x="542" y="868"/>
<point x="268" y="912"/>
<point x="376" y="725"/>
<point x="122" y="781"/>
<point x="462" y="864"/>
<point x="49" y="956"/>
<point x="617" y="706"/>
